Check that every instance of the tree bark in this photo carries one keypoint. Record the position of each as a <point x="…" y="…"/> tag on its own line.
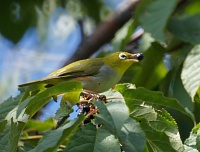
<point x="104" y="32"/>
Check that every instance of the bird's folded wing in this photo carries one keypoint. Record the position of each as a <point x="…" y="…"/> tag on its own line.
<point x="77" y="69"/>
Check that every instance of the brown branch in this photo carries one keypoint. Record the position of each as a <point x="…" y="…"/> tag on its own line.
<point x="104" y="32"/>
<point x="133" y="44"/>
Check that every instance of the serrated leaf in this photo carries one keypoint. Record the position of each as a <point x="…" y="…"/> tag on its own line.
<point x="52" y="139"/>
<point x="112" y="115"/>
<point x="89" y="138"/>
<point x="191" y="72"/>
<point x="8" y="105"/>
<point x="144" y="111"/>
<point x="186" y="28"/>
<point x="10" y="136"/>
<point x="139" y="96"/>
<point x="132" y="137"/>
<point x="154" y="17"/>
<point x="160" y="129"/>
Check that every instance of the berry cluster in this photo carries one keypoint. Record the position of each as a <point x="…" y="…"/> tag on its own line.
<point x="87" y="107"/>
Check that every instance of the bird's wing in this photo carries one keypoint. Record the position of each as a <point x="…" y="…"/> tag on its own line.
<point x="77" y="69"/>
<point x="74" y="70"/>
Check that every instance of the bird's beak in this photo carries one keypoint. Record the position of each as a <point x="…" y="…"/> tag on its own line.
<point x="136" y="57"/>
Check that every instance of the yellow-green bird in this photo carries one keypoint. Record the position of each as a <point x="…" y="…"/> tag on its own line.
<point x="95" y="74"/>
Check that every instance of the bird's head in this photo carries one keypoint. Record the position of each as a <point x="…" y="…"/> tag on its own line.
<point x="121" y="61"/>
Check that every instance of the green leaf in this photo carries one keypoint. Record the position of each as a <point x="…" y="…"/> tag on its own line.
<point x="36" y="102"/>
<point x="112" y="115"/>
<point x="191" y="72"/>
<point x="4" y="139"/>
<point x="131" y="136"/>
<point x="125" y="86"/>
<point x="160" y="128"/>
<point x="93" y="9"/>
<point x="63" y="110"/>
<point x="15" y="132"/>
<point x="123" y="35"/>
<point x="193" y="7"/>
<point x="139" y="96"/>
<point x="25" y="146"/>
<point x="31" y="90"/>
<point x="112" y="95"/>
<point x="2" y="125"/>
<point x="52" y="139"/>
<point x="130" y="27"/>
<point x="72" y="97"/>
<point x="8" y="105"/>
<point x="180" y="93"/>
<point x="154" y="16"/>
<point x="39" y="125"/>
<point x="10" y="136"/>
<point x="146" y="41"/>
<point x="68" y="100"/>
<point x="18" y="17"/>
<point x="186" y="28"/>
<point x="89" y="138"/>
<point x="153" y="68"/>
<point x="193" y="142"/>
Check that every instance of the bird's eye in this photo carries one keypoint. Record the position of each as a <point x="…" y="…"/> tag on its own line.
<point x="122" y="56"/>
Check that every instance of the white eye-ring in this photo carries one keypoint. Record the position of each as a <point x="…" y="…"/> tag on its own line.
<point x="122" y="56"/>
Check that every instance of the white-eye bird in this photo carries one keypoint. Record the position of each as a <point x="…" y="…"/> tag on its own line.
<point x="95" y="74"/>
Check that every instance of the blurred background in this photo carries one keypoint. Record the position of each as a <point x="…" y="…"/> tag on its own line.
<point x="37" y="37"/>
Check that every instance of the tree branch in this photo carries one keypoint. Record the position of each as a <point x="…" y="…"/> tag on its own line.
<point x="103" y="33"/>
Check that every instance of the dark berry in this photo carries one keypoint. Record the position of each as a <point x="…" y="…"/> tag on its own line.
<point x="87" y="120"/>
<point x="91" y="117"/>
<point x="140" y="56"/>
<point x="86" y="108"/>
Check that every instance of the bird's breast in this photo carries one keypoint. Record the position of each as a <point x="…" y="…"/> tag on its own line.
<point x="104" y="80"/>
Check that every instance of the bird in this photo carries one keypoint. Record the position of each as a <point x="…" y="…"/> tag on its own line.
<point x="96" y="74"/>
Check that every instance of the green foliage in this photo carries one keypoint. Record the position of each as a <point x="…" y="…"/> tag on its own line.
<point x="133" y="122"/>
<point x="158" y="112"/>
<point x="156" y="14"/>
<point x="93" y="139"/>
<point x="190" y="72"/>
<point x="156" y="70"/>
<point x="186" y="28"/>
